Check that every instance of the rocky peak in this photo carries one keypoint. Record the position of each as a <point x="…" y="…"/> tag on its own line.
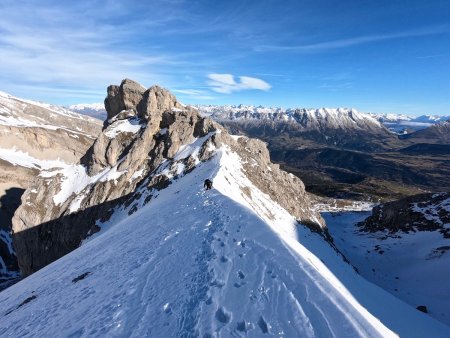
<point x="423" y="212"/>
<point x="132" y="99"/>
<point x="148" y="141"/>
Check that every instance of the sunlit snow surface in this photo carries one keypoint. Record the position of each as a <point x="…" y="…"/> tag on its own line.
<point x="12" y="115"/>
<point x="195" y="263"/>
<point x="121" y="126"/>
<point x="73" y="176"/>
<point x="23" y="159"/>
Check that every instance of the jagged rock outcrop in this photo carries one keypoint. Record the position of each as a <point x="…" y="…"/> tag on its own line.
<point x="133" y="98"/>
<point x="424" y="212"/>
<point x="139" y="152"/>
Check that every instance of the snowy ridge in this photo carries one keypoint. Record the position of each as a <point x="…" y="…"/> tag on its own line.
<point x="224" y="262"/>
<point x="55" y="109"/>
<point x="390" y="117"/>
<point x="24" y="113"/>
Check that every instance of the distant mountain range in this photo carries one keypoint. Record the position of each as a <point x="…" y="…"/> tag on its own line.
<point x="397" y="123"/>
<point x="403" y="124"/>
<point x="96" y="110"/>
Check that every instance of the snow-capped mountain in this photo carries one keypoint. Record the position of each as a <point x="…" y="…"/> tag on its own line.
<point x="431" y="118"/>
<point x="402" y="246"/>
<point x="246" y="258"/>
<point x="34" y="136"/>
<point x="305" y="119"/>
<point x="397" y="123"/>
<point x="18" y="112"/>
<point x="390" y="117"/>
<point x="96" y="110"/>
<point x="404" y="124"/>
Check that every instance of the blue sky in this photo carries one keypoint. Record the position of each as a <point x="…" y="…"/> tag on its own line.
<point x="376" y="56"/>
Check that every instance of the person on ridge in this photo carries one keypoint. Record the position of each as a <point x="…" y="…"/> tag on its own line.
<point x="208" y="184"/>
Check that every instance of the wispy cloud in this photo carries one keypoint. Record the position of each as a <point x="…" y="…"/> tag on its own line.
<point x="354" y="41"/>
<point x="48" y="47"/>
<point x="226" y="83"/>
<point x="433" y="56"/>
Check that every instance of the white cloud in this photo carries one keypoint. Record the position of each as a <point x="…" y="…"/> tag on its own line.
<point x="226" y="83"/>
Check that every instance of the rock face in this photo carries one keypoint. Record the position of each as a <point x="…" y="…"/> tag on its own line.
<point x="140" y="150"/>
<point x="33" y="136"/>
<point x="424" y="212"/>
<point x="132" y="97"/>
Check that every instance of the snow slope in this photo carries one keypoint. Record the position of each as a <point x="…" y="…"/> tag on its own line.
<point x="23" y="159"/>
<point x="24" y="113"/>
<point x="412" y="266"/>
<point x="202" y="264"/>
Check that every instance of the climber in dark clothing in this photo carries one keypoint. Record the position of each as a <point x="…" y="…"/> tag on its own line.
<point x="207" y="184"/>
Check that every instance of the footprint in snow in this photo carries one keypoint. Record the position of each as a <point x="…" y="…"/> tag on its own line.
<point x="263" y="325"/>
<point x="241" y="326"/>
<point x="222" y="315"/>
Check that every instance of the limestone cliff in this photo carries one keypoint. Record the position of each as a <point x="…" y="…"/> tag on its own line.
<point x="33" y="136"/>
